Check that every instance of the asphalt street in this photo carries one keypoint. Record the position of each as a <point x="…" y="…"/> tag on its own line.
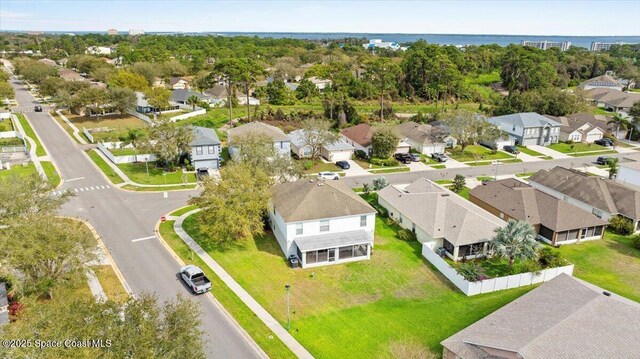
<point x="125" y="221"/>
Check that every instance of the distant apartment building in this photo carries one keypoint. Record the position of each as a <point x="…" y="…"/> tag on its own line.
<point x="379" y="44"/>
<point x="545" y="45"/>
<point x="134" y="32"/>
<point x="604" y="46"/>
<point x="112" y="32"/>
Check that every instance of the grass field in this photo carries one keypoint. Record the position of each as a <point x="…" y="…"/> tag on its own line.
<point x="577" y="147"/>
<point x="529" y="151"/>
<point x="611" y="263"/>
<point x="50" y="171"/>
<point x="19" y="171"/>
<point x="137" y="172"/>
<point x="247" y="319"/>
<point x="64" y="125"/>
<point x="320" y="166"/>
<point x="11" y="141"/>
<point x="123" y="151"/>
<point x="357" y="307"/>
<point x="29" y="131"/>
<point x="476" y="152"/>
<point x="104" y="167"/>
<point x="118" y="126"/>
<point x="5" y="125"/>
<point x="110" y="283"/>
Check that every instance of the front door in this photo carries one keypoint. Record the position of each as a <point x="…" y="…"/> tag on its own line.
<point x="332" y="255"/>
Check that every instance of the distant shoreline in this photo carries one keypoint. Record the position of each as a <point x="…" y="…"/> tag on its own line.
<point x="442" y="39"/>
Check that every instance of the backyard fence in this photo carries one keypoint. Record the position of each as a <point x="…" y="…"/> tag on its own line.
<point x="137" y="114"/>
<point x="87" y="134"/>
<point x="199" y="112"/>
<point x="105" y="149"/>
<point x="493" y="284"/>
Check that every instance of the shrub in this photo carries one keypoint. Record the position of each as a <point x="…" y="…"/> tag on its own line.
<point x="621" y="225"/>
<point x="526" y="267"/>
<point x="390" y="221"/>
<point x="380" y="183"/>
<point x="366" y="188"/>
<point x="569" y="142"/>
<point x="458" y="183"/>
<point x="471" y="271"/>
<point x="308" y="165"/>
<point x="406" y="235"/>
<point x="385" y="162"/>
<point x="550" y="258"/>
<point x="635" y="241"/>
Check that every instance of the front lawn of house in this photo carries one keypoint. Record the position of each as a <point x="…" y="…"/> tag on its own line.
<point x="611" y="263"/>
<point x="477" y="152"/>
<point x="529" y="151"/>
<point x="314" y="166"/>
<point x="359" y="307"/>
<point x="577" y="147"/>
<point x="117" y="126"/>
<point x="137" y="172"/>
<point x="19" y="170"/>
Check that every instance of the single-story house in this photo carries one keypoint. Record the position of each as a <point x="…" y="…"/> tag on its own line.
<point x="70" y="75"/>
<point x="179" y="83"/>
<point x="580" y="127"/>
<point x="426" y="139"/>
<point x="48" y="62"/>
<point x="281" y="141"/>
<point x="603" y="197"/>
<point x="529" y="128"/>
<point x="629" y="172"/>
<point x="242" y="100"/>
<point x="337" y="151"/>
<point x="182" y="95"/>
<point x="4" y="304"/>
<point x="563" y="318"/>
<point x="444" y="221"/>
<point x="359" y="136"/>
<point x="555" y="221"/>
<point x="613" y="100"/>
<point x="322" y="222"/>
<point x="143" y="106"/>
<point x="603" y="81"/>
<point x="321" y="84"/>
<point x="205" y="148"/>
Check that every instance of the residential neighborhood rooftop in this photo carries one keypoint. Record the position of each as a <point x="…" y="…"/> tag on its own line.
<point x="203" y="136"/>
<point x="525" y="119"/>
<point x="601" y="81"/>
<point x="258" y="127"/>
<point x="182" y="95"/>
<point x="598" y="192"/>
<point x="360" y="134"/>
<point x="421" y="133"/>
<point x="520" y="201"/>
<point x="563" y="318"/>
<point x="306" y="200"/>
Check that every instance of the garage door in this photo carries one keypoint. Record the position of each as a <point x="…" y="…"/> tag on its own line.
<point x="341" y="155"/>
<point x="594" y="136"/>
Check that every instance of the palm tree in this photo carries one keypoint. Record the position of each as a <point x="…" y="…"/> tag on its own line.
<point x="620" y="121"/>
<point x="516" y="240"/>
<point x="193" y="100"/>
<point x="133" y="137"/>
<point x="612" y="163"/>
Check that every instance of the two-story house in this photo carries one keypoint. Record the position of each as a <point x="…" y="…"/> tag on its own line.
<point x="529" y="128"/>
<point x="281" y="141"/>
<point x="322" y="222"/>
<point x="205" y="148"/>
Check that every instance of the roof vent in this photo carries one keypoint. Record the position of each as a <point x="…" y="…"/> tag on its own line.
<point x="444" y="195"/>
<point x="608" y="294"/>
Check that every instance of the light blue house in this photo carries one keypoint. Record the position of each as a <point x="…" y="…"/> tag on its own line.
<point x="529" y="128"/>
<point x="205" y="148"/>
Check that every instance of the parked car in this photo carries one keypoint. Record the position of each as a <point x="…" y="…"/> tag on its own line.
<point x="604" y="142"/>
<point x="603" y="160"/>
<point x="403" y="158"/>
<point x="202" y="173"/>
<point x="440" y="157"/>
<point x="343" y="164"/>
<point x="511" y="149"/>
<point x="415" y="157"/>
<point x="196" y="280"/>
<point x="294" y="262"/>
<point x="37" y="108"/>
<point x="328" y="175"/>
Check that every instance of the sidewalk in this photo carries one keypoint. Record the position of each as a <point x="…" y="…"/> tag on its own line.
<point x="32" y="147"/>
<point x="246" y="298"/>
<point x="76" y="130"/>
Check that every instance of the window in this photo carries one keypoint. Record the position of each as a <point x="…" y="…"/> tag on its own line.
<point x="198" y="150"/>
<point x="324" y="225"/>
<point x="345" y="252"/>
<point x="281" y="144"/>
<point x="211" y="150"/>
<point x="299" y="229"/>
<point x="598" y="231"/>
<point x="363" y="221"/>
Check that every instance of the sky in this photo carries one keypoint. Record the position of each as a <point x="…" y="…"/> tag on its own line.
<point x="511" y="17"/>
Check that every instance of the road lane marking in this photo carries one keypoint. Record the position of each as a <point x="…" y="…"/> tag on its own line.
<point x="74" y="179"/>
<point x="166" y="195"/>
<point x="81" y="190"/>
<point x="142" y="239"/>
<point x="92" y="188"/>
<point x="75" y="189"/>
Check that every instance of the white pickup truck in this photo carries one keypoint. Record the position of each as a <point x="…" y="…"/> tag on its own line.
<point x="195" y="279"/>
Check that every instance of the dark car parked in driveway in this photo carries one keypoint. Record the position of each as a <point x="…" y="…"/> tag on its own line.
<point x="511" y="149"/>
<point x="415" y="157"/>
<point x="403" y="158"/>
<point x="440" y="157"/>
<point x="606" y="142"/>
<point x="603" y="160"/>
<point x="343" y="164"/>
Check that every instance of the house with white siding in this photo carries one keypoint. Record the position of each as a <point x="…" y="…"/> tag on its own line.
<point x="335" y="151"/>
<point x="321" y="222"/>
<point x="281" y="141"/>
<point x="426" y="139"/>
<point x="359" y="136"/>
<point x="529" y="128"/>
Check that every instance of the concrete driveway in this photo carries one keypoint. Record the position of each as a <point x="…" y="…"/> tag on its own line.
<point x="548" y="152"/>
<point x="355" y="170"/>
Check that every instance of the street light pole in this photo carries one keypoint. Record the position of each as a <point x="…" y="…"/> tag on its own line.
<point x="146" y="161"/>
<point x="287" y="287"/>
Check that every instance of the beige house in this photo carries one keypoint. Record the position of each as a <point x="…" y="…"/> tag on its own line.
<point x="581" y="127"/>
<point x="426" y="139"/>
<point x="359" y="136"/>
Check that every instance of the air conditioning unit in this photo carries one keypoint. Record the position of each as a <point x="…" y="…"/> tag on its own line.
<point x="441" y="251"/>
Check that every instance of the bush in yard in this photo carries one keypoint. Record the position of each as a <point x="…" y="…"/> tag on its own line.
<point x="471" y="271"/>
<point x="385" y="162"/>
<point x="308" y="165"/>
<point x="366" y="188"/>
<point x="458" y="183"/>
<point x="635" y="241"/>
<point x="380" y="183"/>
<point x="406" y="235"/>
<point x="550" y="258"/>
<point x="621" y="225"/>
<point x="527" y="266"/>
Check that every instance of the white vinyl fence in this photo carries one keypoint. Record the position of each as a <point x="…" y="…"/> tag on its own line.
<point x="199" y="112"/>
<point x="104" y="148"/>
<point x="143" y="117"/>
<point x="493" y="284"/>
<point x="87" y="134"/>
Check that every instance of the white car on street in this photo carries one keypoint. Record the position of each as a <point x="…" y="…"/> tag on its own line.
<point x="328" y="175"/>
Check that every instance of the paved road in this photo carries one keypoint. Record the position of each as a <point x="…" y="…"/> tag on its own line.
<point x="121" y="217"/>
<point x="476" y="171"/>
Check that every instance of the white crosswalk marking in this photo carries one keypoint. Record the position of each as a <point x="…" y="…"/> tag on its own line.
<point x="75" y="189"/>
<point x="81" y="189"/>
<point x="92" y="188"/>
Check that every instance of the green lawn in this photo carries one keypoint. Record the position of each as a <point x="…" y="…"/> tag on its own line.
<point x="525" y="174"/>
<point x="391" y="170"/>
<point x="104" y="167"/>
<point x="11" y="142"/>
<point x="577" y="147"/>
<point x="438" y="167"/>
<point x="247" y="319"/>
<point x="123" y="151"/>
<point x="110" y="283"/>
<point x="19" y="171"/>
<point x="118" y="126"/>
<point x="611" y="263"/>
<point x="29" y="131"/>
<point x="529" y="151"/>
<point x="5" y="125"/>
<point x="359" y="307"/>
<point x="476" y="152"/>
<point x="583" y="154"/>
<point x="52" y="174"/>
<point x="137" y="172"/>
<point x="487" y="163"/>
<point x="318" y="166"/>
<point x="159" y="188"/>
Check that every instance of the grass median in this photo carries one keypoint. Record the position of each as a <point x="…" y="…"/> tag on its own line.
<point x="50" y="171"/>
<point x="29" y="132"/>
<point x="104" y="167"/>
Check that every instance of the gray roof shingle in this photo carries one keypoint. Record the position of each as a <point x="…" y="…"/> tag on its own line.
<point x="258" y="127"/>
<point x="203" y="136"/>
<point x="525" y="119"/>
